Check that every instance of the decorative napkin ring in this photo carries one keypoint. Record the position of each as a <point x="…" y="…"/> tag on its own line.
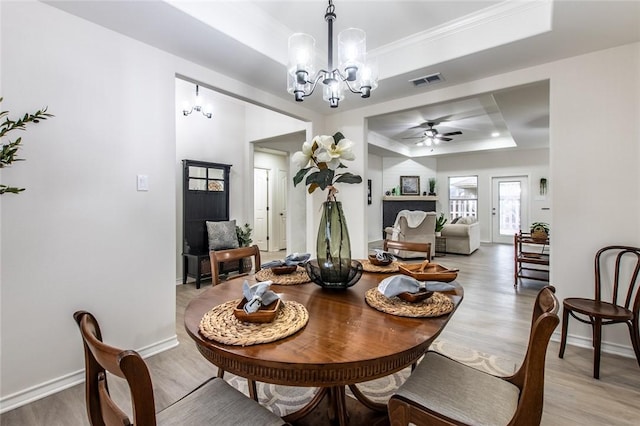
<point x="258" y="295"/>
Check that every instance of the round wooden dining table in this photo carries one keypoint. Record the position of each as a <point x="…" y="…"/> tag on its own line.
<point x="344" y="342"/>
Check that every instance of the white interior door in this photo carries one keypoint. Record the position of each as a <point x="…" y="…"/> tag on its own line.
<point x="509" y="208"/>
<point x="281" y="210"/>
<point x="261" y="208"/>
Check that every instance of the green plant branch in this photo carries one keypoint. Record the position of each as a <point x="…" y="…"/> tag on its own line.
<point x="10" y="149"/>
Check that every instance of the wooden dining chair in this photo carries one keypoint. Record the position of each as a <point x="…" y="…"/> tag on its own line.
<point x="408" y="246"/>
<point x="616" y="267"/>
<point x="229" y="255"/>
<point x="441" y="391"/>
<point x="213" y="402"/>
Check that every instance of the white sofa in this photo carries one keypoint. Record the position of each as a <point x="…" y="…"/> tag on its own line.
<point x="462" y="238"/>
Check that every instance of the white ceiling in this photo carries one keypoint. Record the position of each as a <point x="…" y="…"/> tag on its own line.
<point x="462" y="40"/>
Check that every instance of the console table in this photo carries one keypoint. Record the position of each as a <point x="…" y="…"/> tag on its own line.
<point x="531" y="258"/>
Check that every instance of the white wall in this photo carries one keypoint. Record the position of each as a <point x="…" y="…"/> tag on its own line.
<point x="81" y="236"/>
<point x="423" y="167"/>
<point x="487" y="165"/>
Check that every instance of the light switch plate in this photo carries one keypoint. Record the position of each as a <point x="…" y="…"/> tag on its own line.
<point x="143" y="183"/>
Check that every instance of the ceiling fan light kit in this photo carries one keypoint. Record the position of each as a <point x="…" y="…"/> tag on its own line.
<point x="431" y="136"/>
<point x="353" y="71"/>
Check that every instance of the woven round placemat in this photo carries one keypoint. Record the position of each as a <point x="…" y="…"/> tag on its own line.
<point x="370" y="267"/>
<point x="298" y="277"/>
<point x="221" y="325"/>
<point x="436" y="305"/>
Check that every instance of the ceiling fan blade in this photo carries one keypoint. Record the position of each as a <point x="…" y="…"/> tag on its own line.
<point x="424" y="125"/>
<point x="441" y="138"/>
<point x="457" y="132"/>
<point x="414" y="137"/>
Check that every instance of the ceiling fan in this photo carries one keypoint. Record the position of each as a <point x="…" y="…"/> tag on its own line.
<point x="432" y="136"/>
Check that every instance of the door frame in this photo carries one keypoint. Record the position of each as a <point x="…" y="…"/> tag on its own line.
<point x="524" y="205"/>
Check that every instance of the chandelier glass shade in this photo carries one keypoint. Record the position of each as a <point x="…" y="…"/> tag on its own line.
<point x="197" y="106"/>
<point x="354" y="72"/>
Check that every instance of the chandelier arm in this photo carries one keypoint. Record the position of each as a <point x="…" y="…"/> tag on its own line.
<point x="314" y="83"/>
<point x="357" y="92"/>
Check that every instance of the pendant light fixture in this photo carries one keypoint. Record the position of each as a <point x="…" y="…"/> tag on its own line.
<point x="197" y="106"/>
<point x="353" y="71"/>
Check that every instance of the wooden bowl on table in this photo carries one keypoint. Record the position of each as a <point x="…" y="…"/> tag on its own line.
<point x="264" y="314"/>
<point x="426" y="271"/>
<point x="284" y="269"/>
<point x="415" y="297"/>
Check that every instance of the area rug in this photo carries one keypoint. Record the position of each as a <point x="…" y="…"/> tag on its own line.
<point x="283" y="400"/>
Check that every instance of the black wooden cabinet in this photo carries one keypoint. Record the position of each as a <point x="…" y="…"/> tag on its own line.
<point x="205" y="197"/>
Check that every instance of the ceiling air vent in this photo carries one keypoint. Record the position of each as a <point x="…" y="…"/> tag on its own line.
<point x="427" y="79"/>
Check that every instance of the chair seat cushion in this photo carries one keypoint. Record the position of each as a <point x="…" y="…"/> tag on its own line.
<point x="217" y="403"/>
<point x="597" y="308"/>
<point x="459" y="392"/>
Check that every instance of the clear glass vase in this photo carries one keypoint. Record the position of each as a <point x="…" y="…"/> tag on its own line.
<point x="333" y="247"/>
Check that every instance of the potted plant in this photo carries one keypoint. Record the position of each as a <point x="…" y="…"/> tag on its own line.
<point x="432" y="186"/>
<point x="440" y="222"/>
<point x="539" y="230"/>
<point x="244" y="240"/>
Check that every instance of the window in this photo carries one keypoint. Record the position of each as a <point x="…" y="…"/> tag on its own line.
<point x="463" y="196"/>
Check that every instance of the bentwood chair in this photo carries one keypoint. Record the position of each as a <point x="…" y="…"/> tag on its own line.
<point x="216" y="256"/>
<point x="213" y="403"/>
<point x="408" y="246"/>
<point x="441" y="391"/>
<point x="616" y="271"/>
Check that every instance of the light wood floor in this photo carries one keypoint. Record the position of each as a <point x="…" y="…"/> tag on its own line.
<point x="494" y="318"/>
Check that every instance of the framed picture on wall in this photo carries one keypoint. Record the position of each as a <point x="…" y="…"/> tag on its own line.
<point x="409" y="185"/>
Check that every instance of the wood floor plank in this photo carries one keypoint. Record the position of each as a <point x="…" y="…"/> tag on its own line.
<point x="572" y="396"/>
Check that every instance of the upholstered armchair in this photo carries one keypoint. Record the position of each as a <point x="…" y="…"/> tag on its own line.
<point x="413" y="226"/>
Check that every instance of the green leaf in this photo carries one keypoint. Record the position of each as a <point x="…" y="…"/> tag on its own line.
<point x="349" y="178"/>
<point x="10" y="189"/>
<point x="322" y="178"/>
<point x="298" y="177"/>
<point x="338" y="137"/>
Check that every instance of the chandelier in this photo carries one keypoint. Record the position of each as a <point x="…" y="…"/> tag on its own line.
<point x="353" y="71"/>
<point x="197" y="106"/>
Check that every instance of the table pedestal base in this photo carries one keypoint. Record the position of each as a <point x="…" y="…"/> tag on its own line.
<point x="337" y="408"/>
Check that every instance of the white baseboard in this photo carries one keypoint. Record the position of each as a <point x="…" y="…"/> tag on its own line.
<point x="61" y="383"/>
<point x="585" y="342"/>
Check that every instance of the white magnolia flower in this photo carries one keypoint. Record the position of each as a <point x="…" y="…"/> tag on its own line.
<point x="333" y="154"/>
<point x="319" y="160"/>
<point x="301" y="158"/>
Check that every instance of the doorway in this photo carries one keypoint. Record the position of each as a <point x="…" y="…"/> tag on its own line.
<point x="261" y="208"/>
<point x="509" y="207"/>
<point x="270" y="188"/>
